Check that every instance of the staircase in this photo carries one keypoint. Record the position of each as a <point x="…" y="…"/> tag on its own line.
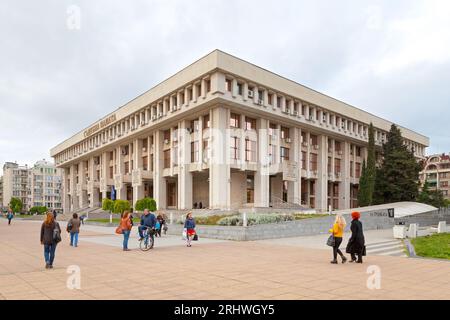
<point x="279" y="203"/>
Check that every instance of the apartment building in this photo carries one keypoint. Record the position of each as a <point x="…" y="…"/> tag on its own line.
<point x="436" y="170"/>
<point x="15" y="180"/>
<point x="44" y="186"/>
<point x="224" y="133"/>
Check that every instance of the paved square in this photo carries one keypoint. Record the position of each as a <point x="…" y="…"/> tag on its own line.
<point x="211" y="269"/>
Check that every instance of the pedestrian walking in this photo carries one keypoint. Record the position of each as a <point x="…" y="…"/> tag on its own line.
<point x="356" y="244"/>
<point x="124" y="228"/>
<point x="55" y="213"/>
<point x="159" y="224"/>
<point x="9" y="216"/>
<point x="73" y="227"/>
<point x="50" y="237"/>
<point x="189" y="226"/>
<point x="338" y="232"/>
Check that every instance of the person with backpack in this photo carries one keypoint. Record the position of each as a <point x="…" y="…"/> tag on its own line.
<point x="50" y="237"/>
<point x="9" y="216"/>
<point x="73" y="227"/>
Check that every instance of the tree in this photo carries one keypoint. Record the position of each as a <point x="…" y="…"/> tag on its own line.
<point x="434" y="198"/>
<point x="38" y="209"/>
<point x="107" y="204"/>
<point x="146" y="203"/>
<point x="424" y="196"/>
<point x="16" y="205"/>
<point x="363" y="192"/>
<point x="371" y="166"/>
<point x="120" y="206"/>
<point x="397" y="178"/>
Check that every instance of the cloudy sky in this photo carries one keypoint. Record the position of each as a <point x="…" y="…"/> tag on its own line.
<point x="65" y="64"/>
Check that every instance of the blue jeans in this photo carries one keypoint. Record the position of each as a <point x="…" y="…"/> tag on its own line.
<point x="49" y="253"/>
<point x="126" y="236"/>
<point x="74" y="239"/>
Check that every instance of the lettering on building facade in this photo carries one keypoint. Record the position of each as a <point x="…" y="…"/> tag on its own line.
<point x="100" y="125"/>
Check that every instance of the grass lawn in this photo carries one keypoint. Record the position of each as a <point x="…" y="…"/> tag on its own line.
<point x="301" y="216"/>
<point x="434" y="246"/>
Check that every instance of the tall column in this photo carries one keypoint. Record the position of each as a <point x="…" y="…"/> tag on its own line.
<point x="82" y="197"/>
<point x="73" y="189"/>
<point x="121" y="191"/>
<point x="242" y="133"/>
<point x="66" y="196"/>
<point x="295" y="187"/>
<point x="344" y="186"/>
<point x="322" y="176"/>
<point x="138" y="186"/>
<point x="104" y="174"/>
<point x="219" y="171"/>
<point x="159" y="182"/>
<point x="92" y="190"/>
<point x="184" y="175"/>
<point x="262" y="173"/>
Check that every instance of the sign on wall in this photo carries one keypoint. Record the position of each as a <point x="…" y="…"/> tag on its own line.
<point x="290" y="171"/>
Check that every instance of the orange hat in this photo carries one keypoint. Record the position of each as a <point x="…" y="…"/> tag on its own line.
<point x="356" y="215"/>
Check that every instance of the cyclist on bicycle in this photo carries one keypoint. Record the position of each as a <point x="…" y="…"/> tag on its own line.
<point x="148" y="221"/>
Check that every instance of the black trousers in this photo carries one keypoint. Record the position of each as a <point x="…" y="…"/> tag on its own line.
<point x="336" y="250"/>
<point x="9" y="221"/>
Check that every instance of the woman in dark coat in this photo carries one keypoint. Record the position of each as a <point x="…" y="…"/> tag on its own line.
<point x="50" y="236"/>
<point x="356" y="243"/>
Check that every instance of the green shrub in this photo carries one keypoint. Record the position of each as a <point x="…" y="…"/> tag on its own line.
<point x="146" y="203"/>
<point x="107" y="204"/>
<point x="38" y="210"/>
<point x="120" y="206"/>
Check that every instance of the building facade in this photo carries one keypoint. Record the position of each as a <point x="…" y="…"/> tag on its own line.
<point x="224" y="134"/>
<point x="40" y="185"/>
<point x="1" y="192"/>
<point x="44" y="186"/>
<point x="436" y="170"/>
<point x="15" y="180"/>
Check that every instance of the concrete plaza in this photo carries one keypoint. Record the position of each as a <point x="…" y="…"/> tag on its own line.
<point x="211" y="269"/>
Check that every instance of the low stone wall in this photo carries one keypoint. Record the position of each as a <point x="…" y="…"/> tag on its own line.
<point x="288" y="229"/>
<point x="426" y="219"/>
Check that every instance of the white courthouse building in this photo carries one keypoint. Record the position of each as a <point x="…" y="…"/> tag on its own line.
<point x="225" y="134"/>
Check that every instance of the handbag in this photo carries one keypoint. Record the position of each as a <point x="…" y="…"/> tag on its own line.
<point x="56" y="234"/>
<point x="69" y="227"/>
<point x="195" y="237"/>
<point x="119" y="230"/>
<point x="331" y="241"/>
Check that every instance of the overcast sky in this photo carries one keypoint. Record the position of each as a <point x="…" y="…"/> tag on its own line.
<point x="391" y="58"/>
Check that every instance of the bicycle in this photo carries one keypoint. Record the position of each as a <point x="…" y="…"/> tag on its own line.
<point x="147" y="242"/>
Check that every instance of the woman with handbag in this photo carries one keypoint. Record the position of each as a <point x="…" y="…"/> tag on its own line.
<point x="50" y="237"/>
<point x="124" y="228"/>
<point x="337" y="233"/>
<point x="189" y="225"/>
<point x="356" y="243"/>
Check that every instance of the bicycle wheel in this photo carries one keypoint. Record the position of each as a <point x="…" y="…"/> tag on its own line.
<point x="146" y="244"/>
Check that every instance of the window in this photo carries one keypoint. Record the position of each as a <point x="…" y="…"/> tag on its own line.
<point x="208" y="85"/>
<point x="175" y="156"/>
<point x="234" y="120"/>
<point x="250" y="189"/>
<point x="278" y="102"/>
<point x="313" y="162"/>
<point x="284" y="133"/>
<point x="228" y="85"/>
<point x="234" y="145"/>
<point x="127" y="167"/>
<point x="303" y="160"/>
<point x="272" y="150"/>
<point x="329" y="163"/>
<point x="194" y="152"/>
<point x="195" y="125"/>
<point x="206" y="123"/>
<point x="337" y="165"/>
<point x="250" y="150"/>
<point x="358" y="151"/>
<point x="272" y="130"/>
<point x="145" y="163"/>
<point x="167" y="135"/>
<point x="314" y="140"/>
<point x="284" y="154"/>
<point x="250" y="124"/>
<point x="166" y="159"/>
<point x="304" y="138"/>
<point x="270" y="98"/>
<point x="205" y="150"/>
<point x="239" y="87"/>
<point x="444" y="184"/>
<point x="337" y="146"/>
<point x="351" y="169"/>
